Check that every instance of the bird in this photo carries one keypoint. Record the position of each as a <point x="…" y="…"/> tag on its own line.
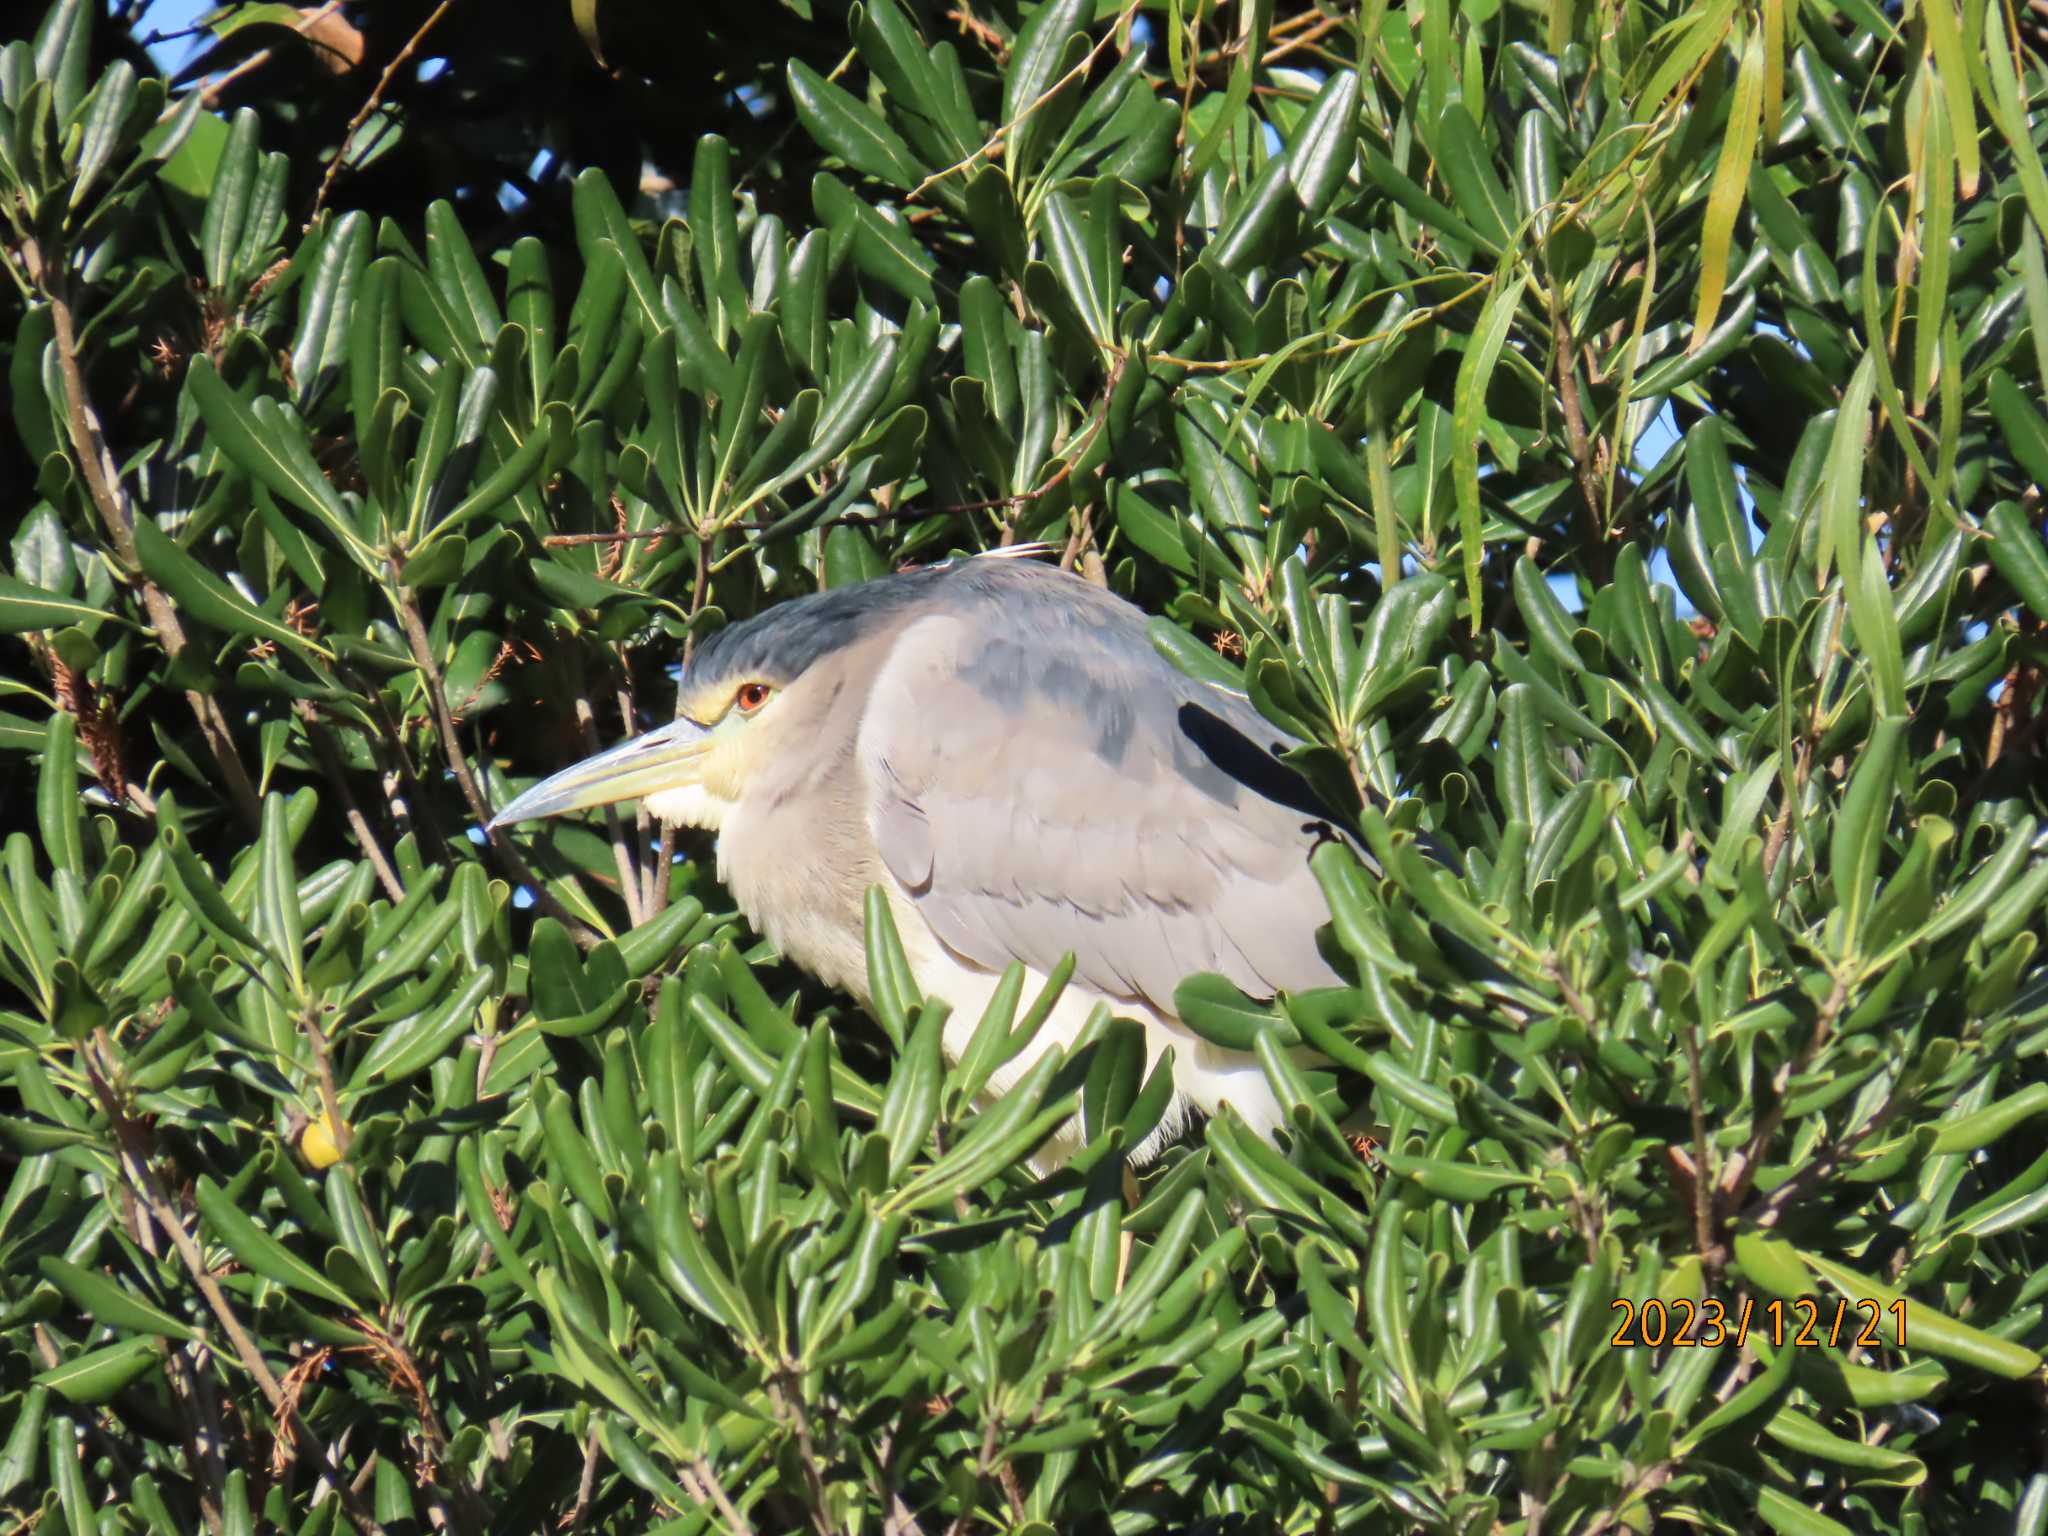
<point x="997" y="744"/>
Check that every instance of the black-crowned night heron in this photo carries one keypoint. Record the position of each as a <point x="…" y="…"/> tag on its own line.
<point x="997" y="744"/>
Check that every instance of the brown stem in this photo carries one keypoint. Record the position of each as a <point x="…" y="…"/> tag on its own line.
<point x="806" y="1454"/>
<point x="1774" y="845"/>
<point x="103" y="480"/>
<point x="458" y="764"/>
<point x="370" y="105"/>
<point x="188" y="1383"/>
<point x="900" y="1521"/>
<point x="897" y="1520"/>
<point x="700" y="589"/>
<point x="1080" y="540"/>
<point x="707" y="1480"/>
<point x="135" y="1168"/>
<point x="650" y="873"/>
<point x="323" y="1067"/>
<point x="1741" y="1170"/>
<point x="584" y="1483"/>
<point x="1578" y="441"/>
<point x="1702" y="1183"/>
<point x="330" y="764"/>
<point x="412" y="808"/>
<point x="1810" y="1174"/>
<point x="1313" y="35"/>
<point x="202" y="1428"/>
<point x="622" y="854"/>
<point x="1653" y="1479"/>
<point x="985" y="1464"/>
<point x="572" y="540"/>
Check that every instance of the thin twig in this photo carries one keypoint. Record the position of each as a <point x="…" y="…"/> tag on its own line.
<point x="584" y="1483"/>
<point x="202" y="1424"/>
<point x="709" y="1479"/>
<point x="1651" y="1480"/>
<point x="1313" y="35"/>
<point x="1819" y="1168"/>
<point x="211" y="89"/>
<point x="996" y="139"/>
<point x="806" y="1453"/>
<point x="622" y="855"/>
<point x="571" y="540"/>
<point x="135" y="1168"/>
<point x="412" y="808"/>
<point x="1702" y="1182"/>
<point x="189" y="1386"/>
<point x="900" y="1521"/>
<point x="1592" y="486"/>
<point x="370" y="105"/>
<point x="458" y="764"/>
<point x="323" y="1067"/>
<point x="700" y="589"/>
<point x="897" y="1520"/>
<point x="366" y="839"/>
<point x="643" y="823"/>
<point x="983" y="1465"/>
<point x="1742" y="1168"/>
<point x="103" y="480"/>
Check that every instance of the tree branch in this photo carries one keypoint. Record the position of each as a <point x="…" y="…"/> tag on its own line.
<point x="366" y="839"/>
<point x="103" y="480"/>
<point x="622" y="852"/>
<point x="1741" y="1170"/>
<point x="458" y="764"/>
<point x="370" y="105"/>
<point x="135" y="1168"/>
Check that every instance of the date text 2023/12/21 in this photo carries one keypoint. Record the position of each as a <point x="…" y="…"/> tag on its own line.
<point x="1808" y="1322"/>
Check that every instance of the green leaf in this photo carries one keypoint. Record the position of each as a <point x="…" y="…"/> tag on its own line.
<point x="109" y="1303"/>
<point x="24" y="608"/>
<point x="1320" y="155"/>
<point x="1790" y="1517"/>
<point x="1841" y="514"/>
<point x="194" y="885"/>
<point x="98" y="1374"/>
<point x="1862" y="825"/>
<point x="1475" y="372"/>
<point x="228" y="208"/>
<point x="882" y="248"/>
<point x="266" y="442"/>
<point x="2020" y="554"/>
<point x="848" y="129"/>
<point x="1731" y="179"/>
<point x="258" y="1251"/>
<point x="1466" y="165"/>
<point x="1927" y="1329"/>
<point x="1037" y="58"/>
<point x="209" y="599"/>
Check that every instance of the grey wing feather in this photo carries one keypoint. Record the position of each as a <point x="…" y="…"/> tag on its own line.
<point x="1082" y="795"/>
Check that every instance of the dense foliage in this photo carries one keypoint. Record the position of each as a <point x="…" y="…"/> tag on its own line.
<point x="1611" y="432"/>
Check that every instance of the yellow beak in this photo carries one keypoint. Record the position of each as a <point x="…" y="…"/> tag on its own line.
<point x="646" y="765"/>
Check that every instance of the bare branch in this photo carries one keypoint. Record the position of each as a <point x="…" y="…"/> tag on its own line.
<point x="370" y="105"/>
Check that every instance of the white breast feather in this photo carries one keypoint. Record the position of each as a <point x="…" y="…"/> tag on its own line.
<point x="690" y="806"/>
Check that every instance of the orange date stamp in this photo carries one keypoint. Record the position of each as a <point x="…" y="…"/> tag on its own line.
<point x="1806" y="1323"/>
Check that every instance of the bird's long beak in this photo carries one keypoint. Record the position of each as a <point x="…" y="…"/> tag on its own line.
<point x="646" y="765"/>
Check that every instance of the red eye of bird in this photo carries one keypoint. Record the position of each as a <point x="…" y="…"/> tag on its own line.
<point x="751" y="697"/>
